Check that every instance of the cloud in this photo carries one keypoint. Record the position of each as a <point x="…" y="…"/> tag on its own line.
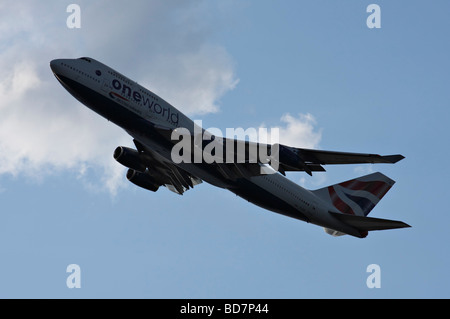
<point x="20" y="78"/>
<point x="301" y="132"/>
<point x="364" y="169"/>
<point x="43" y="130"/>
<point x="296" y="132"/>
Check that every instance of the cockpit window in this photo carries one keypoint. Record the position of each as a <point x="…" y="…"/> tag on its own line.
<point x="85" y="59"/>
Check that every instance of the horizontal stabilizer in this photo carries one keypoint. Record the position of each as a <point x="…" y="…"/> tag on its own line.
<point x="363" y="223"/>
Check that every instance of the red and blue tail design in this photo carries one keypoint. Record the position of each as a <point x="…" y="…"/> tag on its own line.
<point x="357" y="196"/>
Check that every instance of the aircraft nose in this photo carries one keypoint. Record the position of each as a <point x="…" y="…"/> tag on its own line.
<point x="55" y="65"/>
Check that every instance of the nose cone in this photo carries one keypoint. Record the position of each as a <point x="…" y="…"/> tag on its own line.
<point x="55" y="65"/>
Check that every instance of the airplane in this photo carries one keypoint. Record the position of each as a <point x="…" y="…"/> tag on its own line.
<point x="151" y="121"/>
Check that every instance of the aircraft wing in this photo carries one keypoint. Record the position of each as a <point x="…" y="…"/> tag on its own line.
<point x="288" y="158"/>
<point x="307" y="159"/>
<point x="244" y="158"/>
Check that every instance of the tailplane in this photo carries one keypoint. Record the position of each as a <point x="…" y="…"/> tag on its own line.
<point x="353" y="200"/>
<point x="369" y="223"/>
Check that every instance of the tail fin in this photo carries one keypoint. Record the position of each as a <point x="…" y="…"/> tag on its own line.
<point x="357" y="196"/>
<point x="354" y="199"/>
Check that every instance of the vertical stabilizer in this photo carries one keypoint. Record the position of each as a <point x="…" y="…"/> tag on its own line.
<point x="357" y="196"/>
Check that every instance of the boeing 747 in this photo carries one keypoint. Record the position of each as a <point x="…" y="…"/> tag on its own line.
<point x="153" y="123"/>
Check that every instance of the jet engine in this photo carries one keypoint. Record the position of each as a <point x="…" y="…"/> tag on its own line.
<point x="142" y="180"/>
<point x="288" y="156"/>
<point x="130" y="158"/>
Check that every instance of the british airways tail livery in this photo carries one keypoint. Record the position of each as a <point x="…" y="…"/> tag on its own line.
<point x="156" y="128"/>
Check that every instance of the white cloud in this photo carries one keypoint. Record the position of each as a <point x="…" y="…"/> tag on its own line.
<point x="301" y="132"/>
<point x="16" y="80"/>
<point x="364" y="169"/>
<point x="296" y="132"/>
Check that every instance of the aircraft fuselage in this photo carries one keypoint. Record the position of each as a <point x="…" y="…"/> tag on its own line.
<point x="138" y="111"/>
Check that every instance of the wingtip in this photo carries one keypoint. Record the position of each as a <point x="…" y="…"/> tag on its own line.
<point x="406" y="225"/>
<point x="401" y="224"/>
<point x="393" y="158"/>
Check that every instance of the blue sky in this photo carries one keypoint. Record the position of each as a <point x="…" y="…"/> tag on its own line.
<point x="231" y="64"/>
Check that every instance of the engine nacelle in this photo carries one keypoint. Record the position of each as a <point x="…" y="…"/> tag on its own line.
<point x="130" y="158"/>
<point x="142" y="180"/>
<point x="289" y="157"/>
